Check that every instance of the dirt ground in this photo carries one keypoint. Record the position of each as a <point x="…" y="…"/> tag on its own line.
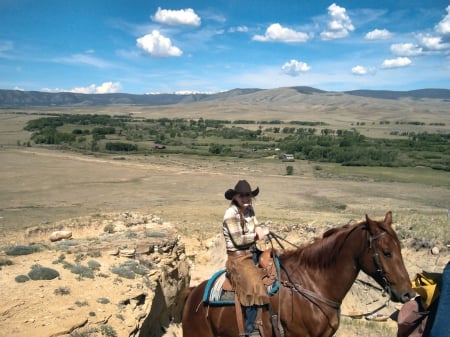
<point x="40" y="187"/>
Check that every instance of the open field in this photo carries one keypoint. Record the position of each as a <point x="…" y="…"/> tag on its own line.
<point x="40" y="186"/>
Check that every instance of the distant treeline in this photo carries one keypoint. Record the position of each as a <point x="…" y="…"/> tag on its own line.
<point x="241" y="138"/>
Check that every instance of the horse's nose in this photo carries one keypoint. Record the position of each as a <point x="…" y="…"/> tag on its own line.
<point x="407" y="296"/>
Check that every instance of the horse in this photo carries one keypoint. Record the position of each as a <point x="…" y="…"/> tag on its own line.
<point x="314" y="280"/>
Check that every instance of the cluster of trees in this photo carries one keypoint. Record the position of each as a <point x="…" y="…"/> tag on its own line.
<point x="223" y="137"/>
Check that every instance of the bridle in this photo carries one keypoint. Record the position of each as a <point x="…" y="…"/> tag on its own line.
<point x="376" y="260"/>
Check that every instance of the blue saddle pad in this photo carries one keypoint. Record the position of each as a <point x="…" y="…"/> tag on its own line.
<point x="214" y="293"/>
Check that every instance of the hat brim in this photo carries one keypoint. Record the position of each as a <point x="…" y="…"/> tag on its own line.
<point x="229" y="194"/>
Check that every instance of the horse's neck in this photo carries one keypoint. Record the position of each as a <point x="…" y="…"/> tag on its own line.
<point x="335" y="279"/>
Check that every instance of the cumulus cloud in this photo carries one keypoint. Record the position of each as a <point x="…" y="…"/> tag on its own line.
<point x="104" y="88"/>
<point x="277" y="33"/>
<point x="295" y="68"/>
<point x="398" y="62"/>
<point x="443" y="27"/>
<point x="360" y="70"/>
<point x="158" y="45"/>
<point x="339" y="25"/>
<point x="378" y="34"/>
<point x="406" y="49"/>
<point x="169" y="17"/>
<point x="433" y="42"/>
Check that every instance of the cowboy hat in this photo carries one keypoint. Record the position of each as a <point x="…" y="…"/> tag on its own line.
<point x="242" y="187"/>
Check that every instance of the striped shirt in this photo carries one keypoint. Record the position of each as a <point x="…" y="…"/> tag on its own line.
<point x="238" y="237"/>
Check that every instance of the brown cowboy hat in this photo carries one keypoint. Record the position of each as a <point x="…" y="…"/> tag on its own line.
<point x="242" y="187"/>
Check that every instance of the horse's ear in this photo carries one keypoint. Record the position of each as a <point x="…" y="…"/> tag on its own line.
<point x="370" y="224"/>
<point x="388" y="218"/>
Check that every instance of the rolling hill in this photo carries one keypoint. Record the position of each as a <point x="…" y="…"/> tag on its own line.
<point x="17" y="98"/>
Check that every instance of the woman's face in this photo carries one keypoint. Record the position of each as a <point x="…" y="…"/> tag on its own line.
<point x="244" y="199"/>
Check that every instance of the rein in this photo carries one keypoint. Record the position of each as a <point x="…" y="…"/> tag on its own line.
<point x="310" y="295"/>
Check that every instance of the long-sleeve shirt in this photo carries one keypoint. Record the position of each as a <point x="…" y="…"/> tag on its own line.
<point x="238" y="236"/>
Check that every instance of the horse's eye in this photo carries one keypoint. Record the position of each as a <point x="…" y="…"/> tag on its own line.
<point x="387" y="254"/>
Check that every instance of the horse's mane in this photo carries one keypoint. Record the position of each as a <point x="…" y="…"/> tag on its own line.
<point x="322" y="252"/>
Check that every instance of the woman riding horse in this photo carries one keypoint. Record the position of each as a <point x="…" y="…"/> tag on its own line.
<point x="241" y="231"/>
<point x="314" y="280"/>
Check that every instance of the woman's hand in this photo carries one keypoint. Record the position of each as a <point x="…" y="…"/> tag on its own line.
<point x="261" y="232"/>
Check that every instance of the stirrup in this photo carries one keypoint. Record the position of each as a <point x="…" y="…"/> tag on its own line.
<point x="249" y="334"/>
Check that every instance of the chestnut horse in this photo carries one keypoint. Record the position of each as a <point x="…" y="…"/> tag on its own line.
<point x="314" y="281"/>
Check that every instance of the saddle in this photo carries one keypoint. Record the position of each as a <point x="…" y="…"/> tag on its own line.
<point x="219" y="290"/>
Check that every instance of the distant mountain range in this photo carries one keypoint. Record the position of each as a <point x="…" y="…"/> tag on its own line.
<point x="17" y="98"/>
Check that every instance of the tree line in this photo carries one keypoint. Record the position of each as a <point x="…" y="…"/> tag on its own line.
<point x="236" y="138"/>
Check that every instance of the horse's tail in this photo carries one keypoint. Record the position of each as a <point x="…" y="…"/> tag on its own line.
<point x="184" y="294"/>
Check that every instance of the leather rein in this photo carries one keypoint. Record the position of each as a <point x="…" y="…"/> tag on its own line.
<point x="312" y="296"/>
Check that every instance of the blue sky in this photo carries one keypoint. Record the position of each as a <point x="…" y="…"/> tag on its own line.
<point x="134" y="46"/>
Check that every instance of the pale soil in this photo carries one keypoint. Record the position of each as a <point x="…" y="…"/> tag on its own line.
<point x="40" y="187"/>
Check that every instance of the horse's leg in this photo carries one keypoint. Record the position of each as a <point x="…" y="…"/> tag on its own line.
<point x="195" y="321"/>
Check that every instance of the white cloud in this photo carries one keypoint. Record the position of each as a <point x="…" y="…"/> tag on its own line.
<point x="378" y="34"/>
<point x="240" y="29"/>
<point x="177" y="17"/>
<point x="359" y="70"/>
<point x="295" y="68"/>
<point x="433" y="42"/>
<point x="443" y="27"/>
<point x="406" y="49"/>
<point x="104" y="88"/>
<point x="396" y="63"/>
<point x="84" y="59"/>
<point x="158" y="45"/>
<point x="339" y="25"/>
<point x="277" y="33"/>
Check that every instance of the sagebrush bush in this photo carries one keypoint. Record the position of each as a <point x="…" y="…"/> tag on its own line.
<point x="109" y="228"/>
<point x="103" y="300"/>
<point x="21" y="278"/>
<point x="81" y="304"/>
<point x="129" y="269"/>
<point x="123" y="272"/>
<point x="108" y="331"/>
<point x="130" y="235"/>
<point x="94" y="253"/>
<point x="5" y="262"/>
<point x="21" y="250"/>
<point x="64" y="245"/>
<point x="94" y="265"/>
<point x="82" y="271"/>
<point x="155" y="235"/>
<point x="42" y="273"/>
<point x="62" y="291"/>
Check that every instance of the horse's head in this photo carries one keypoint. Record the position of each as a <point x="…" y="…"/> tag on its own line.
<point x="383" y="259"/>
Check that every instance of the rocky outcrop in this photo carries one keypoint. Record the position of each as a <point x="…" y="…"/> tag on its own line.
<point x="120" y="275"/>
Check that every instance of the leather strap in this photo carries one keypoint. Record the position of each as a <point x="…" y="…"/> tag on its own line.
<point x="239" y="316"/>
